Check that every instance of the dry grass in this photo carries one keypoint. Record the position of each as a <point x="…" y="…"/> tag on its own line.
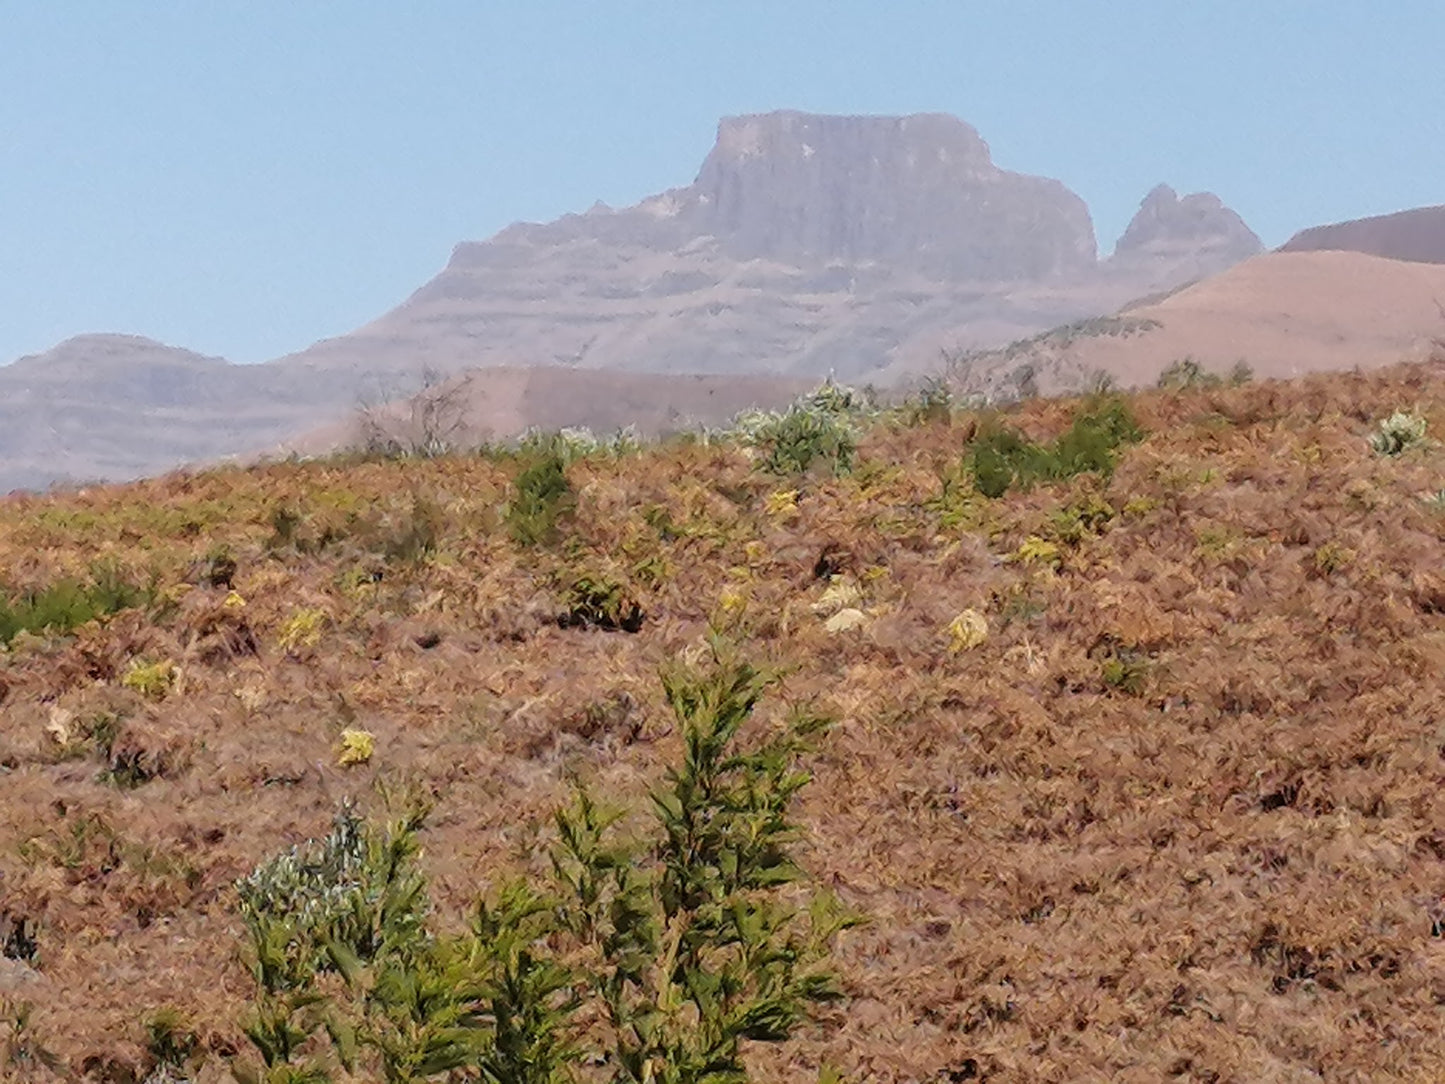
<point x="1179" y="815"/>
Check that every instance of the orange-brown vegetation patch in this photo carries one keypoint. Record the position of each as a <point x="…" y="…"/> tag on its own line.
<point x="1178" y="815"/>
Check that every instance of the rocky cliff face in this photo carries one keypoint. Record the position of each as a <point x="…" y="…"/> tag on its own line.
<point x="1417" y="235"/>
<point x="918" y="192"/>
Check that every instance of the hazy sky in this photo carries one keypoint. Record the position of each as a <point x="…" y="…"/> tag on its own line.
<point x="244" y="178"/>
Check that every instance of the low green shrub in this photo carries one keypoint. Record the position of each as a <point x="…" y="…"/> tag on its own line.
<point x="697" y="949"/>
<point x="294" y="530"/>
<point x="153" y="680"/>
<point x="399" y="535"/>
<point x="414" y="535"/>
<point x="541" y="497"/>
<point x="1125" y="671"/>
<point x="22" y="1054"/>
<point x="19" y="939"/>
<point x="218" y="569"/>
<point x="67" y="604"/>
<point x="171" y="1045"/>
<point x="1084" y="518"/>
<point x="794" y="441"/>
<point x="931" y="404"/>
<point x="1187" y="374"/>
<point x="820" y="427"/>
<point x="1098" y="432"/>
<point x="596" y="600"/>
<point x="1001" y="458"/>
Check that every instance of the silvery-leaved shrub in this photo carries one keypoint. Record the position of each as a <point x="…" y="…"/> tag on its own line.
<point x="748" y="424"/>
<point x="1398" y="433"/>
<point x="821" y="426"/>
<point x="577" y="441"/>
<point x="837" y="399"/>
<point x="626" y="441"/>
<point x="326" y="892"/>
<point x="351" y="900"/>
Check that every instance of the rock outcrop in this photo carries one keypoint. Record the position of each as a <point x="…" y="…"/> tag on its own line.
<point x="1417" y="235"/>
<point x="1175" y="239"/>
<point x="1198" y="224"/>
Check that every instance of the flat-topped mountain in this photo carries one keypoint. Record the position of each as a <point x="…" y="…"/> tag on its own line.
<point x="805" y="246"/>
<point x="918" y="193"/>
<point x="1417" y="235"/>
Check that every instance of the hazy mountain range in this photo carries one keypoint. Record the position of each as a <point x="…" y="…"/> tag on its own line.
<point x="864" y="247"/>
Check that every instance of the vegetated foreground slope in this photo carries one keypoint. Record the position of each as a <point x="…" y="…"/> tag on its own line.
<point x="1167" y="804"/>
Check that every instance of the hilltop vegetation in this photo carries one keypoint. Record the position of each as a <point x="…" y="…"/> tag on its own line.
<point x="1134" y="773"/>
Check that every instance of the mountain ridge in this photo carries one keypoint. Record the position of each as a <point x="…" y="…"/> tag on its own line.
<point x="806" y="245"/>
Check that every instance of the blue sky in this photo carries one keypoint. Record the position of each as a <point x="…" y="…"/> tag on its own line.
<point x="243" y="179"/>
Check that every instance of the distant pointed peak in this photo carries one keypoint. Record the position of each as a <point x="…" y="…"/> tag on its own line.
<point x="1167" y="222"/>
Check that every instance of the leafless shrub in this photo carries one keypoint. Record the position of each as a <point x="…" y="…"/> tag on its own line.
<point x="428" y="424"/>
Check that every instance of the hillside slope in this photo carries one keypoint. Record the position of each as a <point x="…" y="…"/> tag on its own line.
<point x="123" y="406"/>
<point x="1417" y="234"/>
<point x="119" y="407"/>
<point x="1282" y="314"/>
<point x="1176" y="814"/>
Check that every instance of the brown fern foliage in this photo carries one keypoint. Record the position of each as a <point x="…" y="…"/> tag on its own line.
<point x="1175" y="814"/>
